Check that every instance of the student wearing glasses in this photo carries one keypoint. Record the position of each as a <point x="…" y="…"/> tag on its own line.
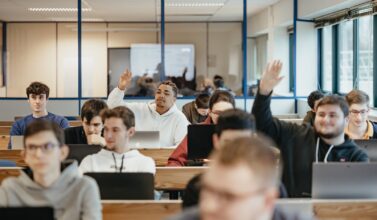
<point x="359" y="127"/>
<point x="49" y="180"/>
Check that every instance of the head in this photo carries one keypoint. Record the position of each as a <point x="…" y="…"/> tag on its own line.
<point x="165" y="97"/>
<point x="90" y="116"/>
<point x="44" y="148"/>
<point x="233" y="124"/>
<point x="119" y="126"/>
<point x="220" y="101"/>
<point x="331" y="117"/>
<point x="241" y="182"/>
<point x="202" y="104"/>
<point x="314" y="98"/>
<point x="37" y="94"/>
<point x="218" y="81"/>
<point x="358" y="103"/>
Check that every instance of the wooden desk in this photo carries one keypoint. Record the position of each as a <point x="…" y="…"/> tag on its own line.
<point x="5" y="130"/>
<point x="4" y="140"/>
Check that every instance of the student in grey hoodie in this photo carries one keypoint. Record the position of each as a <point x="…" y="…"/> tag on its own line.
<point x="49" y="181"/>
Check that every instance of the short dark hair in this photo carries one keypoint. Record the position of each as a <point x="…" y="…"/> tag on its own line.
<point x="235" y="119"/>
<point x="92" y="108"/>
<point x="221" y="95"/>
<point x="122" y="112"/>
<point x="37" y="88"/>
<point x="218" y="81"/>
<point x="202" y="100"/>
<point x="173" y="86"/>
<point x="335" y="100"/>
<point x="357" y="97"/>
<point x="41" y="125"/>
<point x="314" y="96"/>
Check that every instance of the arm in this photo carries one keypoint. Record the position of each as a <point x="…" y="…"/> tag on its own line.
<point x="116" y="96"/>
<point x="3" y="198"/>
<point x="179" y="155"/>
<point x="180" y="130"/>
<point x="64" y="123"/>
<point x="149" y="166"/>
<point x="91" y="207"/>
<point x="15" y="131"/>
<point x="86" y="165"/>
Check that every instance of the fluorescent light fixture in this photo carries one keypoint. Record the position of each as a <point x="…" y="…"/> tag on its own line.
<point x="58" y="9"/>
<point x="195" y="4"/>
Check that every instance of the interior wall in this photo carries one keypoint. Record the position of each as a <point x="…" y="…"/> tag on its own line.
<point x="131" y="33"/>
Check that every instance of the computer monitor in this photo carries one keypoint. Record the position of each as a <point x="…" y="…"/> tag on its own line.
<point x="370" y="146"/>
<point x="125" y="186"/>
<point x="344" y="180"/>
<point x="145" y="139"/>
<point x="199" y="141"/>
<point x="22" y="213"/>
<point x="80" y="151"/>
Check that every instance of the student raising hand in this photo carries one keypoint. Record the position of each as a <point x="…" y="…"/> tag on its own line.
<point x="125" y="80"/>
<point x="271" y="77"/>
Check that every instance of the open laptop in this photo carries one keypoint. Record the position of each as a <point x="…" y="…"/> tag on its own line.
<point x="370" y="146"/>
<point x="145" y="139"/>
<point x="125" y="186"/>
<point x="344" y="181"/>
<point x="22" y="213"/>
<point x="199" y="141"/>
<point x="80" y="151"/>
<point x="17" y="142"/>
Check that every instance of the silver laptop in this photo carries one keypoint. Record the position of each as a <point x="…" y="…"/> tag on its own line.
<point x="344" y="181"/>
<point x="145" y="139"/>
<point x="17" y="142"/>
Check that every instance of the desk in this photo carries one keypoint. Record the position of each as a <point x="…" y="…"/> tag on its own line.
<point x="4" y="140"/>
<point x="5" y="130"/>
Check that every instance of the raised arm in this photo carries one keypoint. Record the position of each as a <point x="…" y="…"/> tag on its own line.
<point x="116" y="96"/>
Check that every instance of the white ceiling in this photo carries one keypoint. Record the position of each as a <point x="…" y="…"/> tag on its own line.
<point x="128" y="10"/>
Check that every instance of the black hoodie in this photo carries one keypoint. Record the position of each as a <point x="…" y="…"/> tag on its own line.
<point x="297" y="144"/>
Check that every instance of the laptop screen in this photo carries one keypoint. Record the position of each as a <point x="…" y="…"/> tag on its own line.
<point x="22" y="213"/>
<point x="199" y="141"/>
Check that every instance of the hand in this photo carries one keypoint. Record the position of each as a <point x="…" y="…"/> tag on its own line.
<point x="125" y="80"/>
<point x="96" y="139"/>
<point x="271" y="77"/>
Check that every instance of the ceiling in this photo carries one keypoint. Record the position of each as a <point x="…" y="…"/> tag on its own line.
<point x="129" y="10"/>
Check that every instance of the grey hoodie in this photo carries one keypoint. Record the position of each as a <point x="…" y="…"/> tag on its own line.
<point x="72" y="196"/>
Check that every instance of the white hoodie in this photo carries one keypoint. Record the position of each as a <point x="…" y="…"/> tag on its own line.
<point x="172" y="125"/>
<point x="109" y="161"/>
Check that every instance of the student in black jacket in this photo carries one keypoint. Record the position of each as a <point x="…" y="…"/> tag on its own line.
<point x="92" y="125"/>
<point x="301" y="145"/>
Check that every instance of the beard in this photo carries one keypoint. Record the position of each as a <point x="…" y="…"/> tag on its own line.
<point x="329" y="135"/>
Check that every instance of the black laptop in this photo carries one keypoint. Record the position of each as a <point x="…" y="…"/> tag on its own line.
<point x="22" y="213"/>
<point x="370" y="146"/>
<point x="125" y="186"/>
<point x="199" y="141"/>
<point x="80" y="151"/>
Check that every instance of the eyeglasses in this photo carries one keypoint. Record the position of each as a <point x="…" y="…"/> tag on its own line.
<point x="45" y="148"/>
<point x="361" y="112"/>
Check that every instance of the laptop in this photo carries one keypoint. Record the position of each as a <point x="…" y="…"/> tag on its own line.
<point x="370" y="146"/>
<point x="80" y="151"/>
<point x="125" y="186"/>
<point x="145" y="139"/>
<point x="22" y="213"/>
<point x="344" y="181"/>
<point x="17" y="142"/>
<point x="199" y="141"/>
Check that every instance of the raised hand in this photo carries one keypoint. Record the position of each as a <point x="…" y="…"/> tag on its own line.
<point x="271" y="77"/>
<point x="125" y="80"/>
<point x="96" y="139"/>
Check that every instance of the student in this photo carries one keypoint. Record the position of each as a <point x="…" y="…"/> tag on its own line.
<point x="159" y="115"/>
<point x="92" y="125"/>
<point x="359" y="127"/>
<point x="197" y="110"/>
<point x="313" y="100"/>
<point x="241" y="183"/>
<point x="117" y="156"/>
<point x="219" y="102"/>
<point x="301" y="145"/>
<point x="49" y="180"/>
<point x="37" y="94"/>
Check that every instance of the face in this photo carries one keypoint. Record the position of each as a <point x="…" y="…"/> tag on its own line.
<point x="217" y="108"/>
<point x="234" y="193"/>
<point x="37" y="102"/>
<point x="164" y="97"/>
<point x="43" y="154"/>
<point x="358" y="114"/>
<point x="202" y="111"/>
<point x="229" y="135"/>
<point x="330" y="121"/>
<point x="116" y="134"/>
<point x="93" y="127"/>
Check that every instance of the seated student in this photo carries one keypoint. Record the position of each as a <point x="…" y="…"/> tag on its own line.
<point x="49" y="181"/>
<point x="92" y="125"/>
<point x="197" y="111"/>
<point x="219" y="102"/>
<point x="301" y="145"/>
<point x="313" y="100"/>
<point x="37" y="94"/>
<point x="241" y="183"/>
<point x="359" y="127"/>
<point x="117" y="156"/>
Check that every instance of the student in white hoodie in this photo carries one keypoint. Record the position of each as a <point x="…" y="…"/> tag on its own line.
<point x="119" y="126"/>
<point x="48" y="181"/>
<point x="159" y="115"/>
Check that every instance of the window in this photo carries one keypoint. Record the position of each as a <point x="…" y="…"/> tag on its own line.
<point x="327" y="59"/>
<point x="346" y="57"/>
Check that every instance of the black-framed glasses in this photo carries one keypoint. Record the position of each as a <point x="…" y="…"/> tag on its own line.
<point x="45" y="148"/>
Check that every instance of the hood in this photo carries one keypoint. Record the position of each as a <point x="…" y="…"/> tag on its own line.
<point x="152" y="108"/>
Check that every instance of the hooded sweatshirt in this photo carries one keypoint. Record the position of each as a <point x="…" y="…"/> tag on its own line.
<point x="172" y="125"/>
<point x="72" y="196"/>
<point x="298" y="146"/>
<point x="109" y="161"/>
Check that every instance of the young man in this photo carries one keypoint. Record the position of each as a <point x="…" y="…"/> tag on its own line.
<point x="240" y="184"/>
<point x="359" y="127"/>
<point x="119" y="126"/>
<point x="219" y="102"/>
<point x="197" y="110"/>
<point x="159" y="115"/>
<point x="49" y="181"/>
<point x="92" y="125"/>
<point x="37" y="94"/>
<point x="301" y="145"/>
<point x="313" y="100"/>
